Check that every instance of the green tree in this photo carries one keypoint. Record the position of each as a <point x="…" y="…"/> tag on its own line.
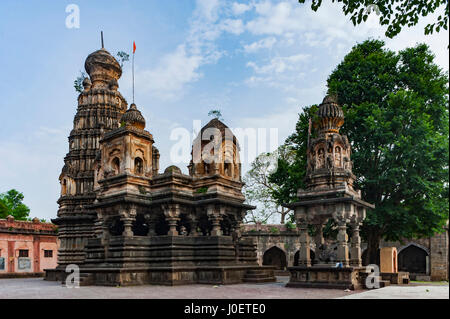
<point x="258" y="190"/>
<point x="11" y="204"/>
<point x="396" y="118"/>
<point x="394" y="13"/>
<point x="291" y="170"/>
<point x="123" y="57"/>
<point x="78" y="83"/>
<point x="216" y="114"/>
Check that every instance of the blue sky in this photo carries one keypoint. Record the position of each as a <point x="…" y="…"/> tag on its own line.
<point x="257" y="61"/>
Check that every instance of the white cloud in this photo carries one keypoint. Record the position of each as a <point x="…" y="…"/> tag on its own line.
<point x="274" y="19"/>
<point x="266" y="43"/>
<point x="174" y="71"/>
<point x="280" y="64"/>
<point x="208" y="9"/>
<point x="181" y="67"/>
<point x="240" y="8"/>
<point x="233" y="26"/>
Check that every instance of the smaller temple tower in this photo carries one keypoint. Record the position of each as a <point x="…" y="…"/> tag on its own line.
<point x="329" y="196"/>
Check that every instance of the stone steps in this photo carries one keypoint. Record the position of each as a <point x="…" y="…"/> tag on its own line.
<point x="259" y="276"/>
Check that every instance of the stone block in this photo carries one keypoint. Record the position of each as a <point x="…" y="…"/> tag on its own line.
<point x="388" y="260"/>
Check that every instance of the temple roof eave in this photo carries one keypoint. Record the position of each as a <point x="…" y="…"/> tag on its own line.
<point x="326" y="201"/>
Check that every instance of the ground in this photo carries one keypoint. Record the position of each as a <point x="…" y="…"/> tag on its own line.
<point x="38" y="288"/>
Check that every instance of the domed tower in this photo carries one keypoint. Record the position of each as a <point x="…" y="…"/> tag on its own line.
<point x="328" y="155"/>
<point x="215" y="151"/>
<point x="123" y="171"/>
<point x="128" y="151"/>
<point x="329" y="197"/>
<point x="100" y="107"/>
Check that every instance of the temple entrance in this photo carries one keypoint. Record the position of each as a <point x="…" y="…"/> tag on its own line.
<point x="275" y="257"/>
<point x="413" y="259"/>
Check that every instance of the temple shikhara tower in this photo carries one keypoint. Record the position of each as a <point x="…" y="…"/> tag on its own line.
<point x="329" y="198"/>
<point x="100" y="107"/>
<point x="125" y="223"/>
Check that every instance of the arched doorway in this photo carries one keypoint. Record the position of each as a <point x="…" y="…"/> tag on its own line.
<point x="413" y="259"/>
<point x="312" y="256"/>
<point x="275" y="257"/>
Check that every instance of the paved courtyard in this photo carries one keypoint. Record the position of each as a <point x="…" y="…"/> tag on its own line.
<point x="404" y="292"/>
<point x="38" y="288"/>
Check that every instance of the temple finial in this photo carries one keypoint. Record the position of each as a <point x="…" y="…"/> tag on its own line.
<point x="101" y="35"/>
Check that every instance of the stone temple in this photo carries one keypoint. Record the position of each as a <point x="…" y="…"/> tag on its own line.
<point x="329" y="196"/>
<point x="124" y="223"/>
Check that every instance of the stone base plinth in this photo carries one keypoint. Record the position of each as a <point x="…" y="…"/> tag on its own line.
<point x="398" y="278"/>
<point x="325" y="277"/>
<point x="169" y="260"/>
<point x="168" y="276"/>
<point x="21" y="275"/>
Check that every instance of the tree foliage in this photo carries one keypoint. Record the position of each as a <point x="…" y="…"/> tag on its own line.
<point x="123" y="57"/>
<point x="260" y="191"/>
<point x="395" y="14"/>
<point x="216" y="114"/>
<point x="291" y="170"/>
<point x="396" y="118"/>
<point x="78" y="83"/>
<point x="11" y="204"/>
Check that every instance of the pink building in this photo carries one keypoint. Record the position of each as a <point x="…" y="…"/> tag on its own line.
<point x="27" y="247"/>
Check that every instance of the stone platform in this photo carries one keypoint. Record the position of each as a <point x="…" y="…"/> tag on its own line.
<point x="326" y="277"/>
<point x="398" y="278"/>
<point x="169" y="260"/>
<point x="169" y="276"/>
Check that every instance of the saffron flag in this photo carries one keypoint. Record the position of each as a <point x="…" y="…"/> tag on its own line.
<point x="134" y="47"/>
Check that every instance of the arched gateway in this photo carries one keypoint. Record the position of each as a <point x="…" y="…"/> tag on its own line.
<point x="275" y="257"/>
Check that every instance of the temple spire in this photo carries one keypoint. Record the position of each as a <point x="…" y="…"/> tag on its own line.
<point x="101" y="35"/>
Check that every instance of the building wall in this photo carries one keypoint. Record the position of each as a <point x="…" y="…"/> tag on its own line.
<point x="436" y="247"/>
<point x="34" y="237"/>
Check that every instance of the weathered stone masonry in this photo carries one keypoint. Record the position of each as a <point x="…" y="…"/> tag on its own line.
<point x="429" y="256"/>
<point x="124" y="223"/>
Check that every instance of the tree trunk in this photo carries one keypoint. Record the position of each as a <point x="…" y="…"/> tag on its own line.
<point x="283" y="215"/>
<point x="373" y="245"/>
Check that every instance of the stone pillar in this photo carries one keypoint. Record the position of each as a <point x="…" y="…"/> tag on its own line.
<point x="172" y="214"/>
<point x="151" y="225"/>
<point x="304" y="258"/>
<point x="356" y="247"/>
<point x="215" y="168"/>
<point x="356" y="222"/>
<point x="318" y="239"/>
<point x="128" y="217"/>
<point x="342" y="239"/>
<point x="215" y="217"/>
<point x="194" y="225"/>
